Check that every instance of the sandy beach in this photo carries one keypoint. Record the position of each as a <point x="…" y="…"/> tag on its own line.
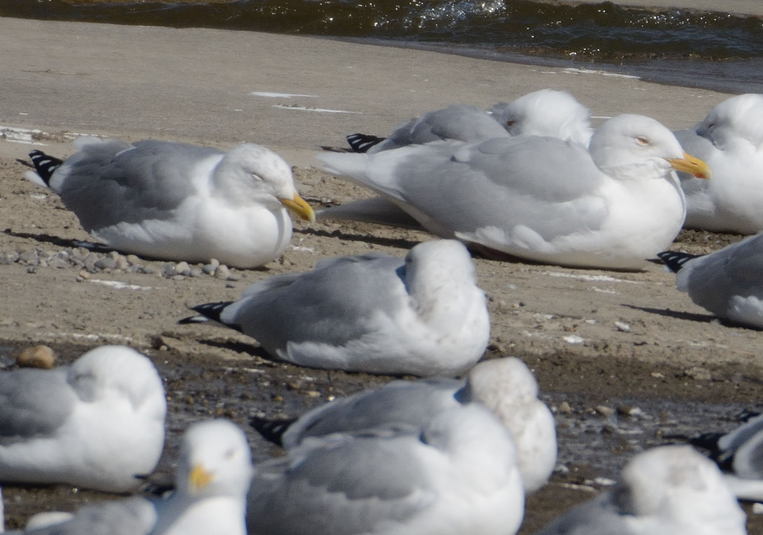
<point x="594" y="338"/>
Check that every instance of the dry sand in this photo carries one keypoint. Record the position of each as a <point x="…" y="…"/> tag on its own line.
<point x="594" y="338"/>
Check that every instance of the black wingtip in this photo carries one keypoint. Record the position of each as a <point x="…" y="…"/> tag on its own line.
<point x="363" y="142"/>
<point x="675" y="260"/>
<point x="271" y="430"/>
<point x="208" y="311"/>
<point x="44" y="165"/>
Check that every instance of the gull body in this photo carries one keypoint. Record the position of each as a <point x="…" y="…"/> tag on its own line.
<point x="456" y="474"/>
<point x="64" y="425"/>
<point x="726" y="282"/>
<point x="670" y="490"/>
<point x="422" y="315"/>
<point x="505" y="386"/>
<point x="730" y="140"/>
<point x="176" y="201"/>
<point x="609" y="206"/>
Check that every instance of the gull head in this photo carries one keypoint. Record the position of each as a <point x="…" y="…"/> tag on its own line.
<point x="681" y="486"/>
<point x="215" y="460"/>
<point x="119" y="372"/>
<point x="636" y="147"/>
<point x="737" y="119"/>
<point x="257" y="173"/>
<point x="437" y="264"/>
<point x="546" y="112"/>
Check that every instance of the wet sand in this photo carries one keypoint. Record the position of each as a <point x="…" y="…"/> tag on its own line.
<point x="595" y="339"/>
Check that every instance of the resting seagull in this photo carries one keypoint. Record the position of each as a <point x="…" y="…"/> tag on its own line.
<point x="176" y="201"/>
<point x="726" y="282"/>
<point x="670" y="490"/>
<point x="730" y="140"/>
<point x="422" y="315"/>
<point x="65" y="425"/>
<point x="504" y="385"/>
<point x="453" y="475"/>
<point x="538" y="198"/>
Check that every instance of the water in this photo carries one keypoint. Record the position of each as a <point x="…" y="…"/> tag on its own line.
<point x="711" y="50"/>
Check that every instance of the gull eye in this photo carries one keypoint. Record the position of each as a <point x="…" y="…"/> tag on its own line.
<point x="511" y="122"/>
<point x="229" y="454"/>
<point x="641" y="140"/>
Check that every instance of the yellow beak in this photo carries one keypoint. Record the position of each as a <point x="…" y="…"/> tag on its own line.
<point x="199" y="477"/>
<point x="299" y="206"/>
<point x="692" y="165"/>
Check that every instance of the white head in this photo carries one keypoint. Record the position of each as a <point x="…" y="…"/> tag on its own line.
<point x="215" y="460"/>
<point x="738" y="118"/>
<point x="678" y="485"/>
<point x="438" y="263"/>
<point x="546" y="112"/>
<point x="635" y="147"/>
<point x="110" y="372"/>
<point x="253" y="172"/>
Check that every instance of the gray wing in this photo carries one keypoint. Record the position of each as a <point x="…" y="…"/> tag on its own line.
<point x="713" y="279"/>
<point x="534" y="181"/>
<point x="403" y="402"/>
<point x="111" y="182"/>
<point x="599" y="516"/>
<point x="33" y="403"/>
<point x="343" y="487"/>
<point x="133" y="516"/>
<point x="329" y="304"/>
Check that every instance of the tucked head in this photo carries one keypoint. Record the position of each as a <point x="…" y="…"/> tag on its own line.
<point x="632" y="146"/>
<point x="215" y="460"/>
<point x="450" y="258"/>
<point x="737" y="117"/>
<point x="496" y="379"/>
<point x="546" y="112"/>
<point x="118" y="371"/>
<point x="267" y="173"/>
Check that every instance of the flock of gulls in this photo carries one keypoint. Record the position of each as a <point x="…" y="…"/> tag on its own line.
<point x="530" y="179"/>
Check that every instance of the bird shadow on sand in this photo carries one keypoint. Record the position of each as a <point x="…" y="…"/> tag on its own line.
<point x="60" y="242"/>
<point x="365" y="238"/>
<point x="689" y="316"/>
<point x="240" y="347"/>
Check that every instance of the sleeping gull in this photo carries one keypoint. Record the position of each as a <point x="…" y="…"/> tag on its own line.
<point x="726" y="282"/>
<point x="505" y="386"/>
<point x="211" y="483"/>
<point x="670" y="490"/>
<point x="546" y="112"/>
<point x="423" y="315"/>
<point x="740" y="453"/>
<point x="540" y="198"/>
<point x="730" y="140"/>
<point x="64" y="425"/>
<point x="176" y="201"/>
<point x="454" y="475"/>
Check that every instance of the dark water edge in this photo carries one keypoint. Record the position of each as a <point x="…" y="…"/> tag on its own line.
<point x="711" y="50"/>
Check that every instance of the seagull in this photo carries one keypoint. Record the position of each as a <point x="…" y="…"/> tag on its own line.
<point x="504" y="385"/>
<point x="669" y="490"/>
<point x="66" y="425"/>
<point x="539" y="198"/>
<point x="546" y="112"/>
<point x="212" y="480"/>
<point x="422" y="315"/>
<point x="176" y="201"/>
<point x="740" y="454"/>
<point x="730" y="140"/>
<point x="455" y="474"/>
<point x="726" y="282"/>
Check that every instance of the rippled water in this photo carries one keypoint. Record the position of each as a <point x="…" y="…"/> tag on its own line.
<point x="713" y="50"/>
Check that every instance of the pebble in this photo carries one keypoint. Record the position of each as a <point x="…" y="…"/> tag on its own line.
<point x="222" y="272"/>
<point x="36" y="357"/>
